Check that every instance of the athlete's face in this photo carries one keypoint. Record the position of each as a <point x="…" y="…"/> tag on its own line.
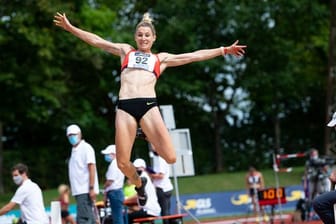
<point x="144" y="38"/>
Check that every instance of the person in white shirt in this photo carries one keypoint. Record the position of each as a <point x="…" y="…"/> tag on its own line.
<point x="28" y="196"/>
<point x="82" y="175"/>
<point x="161" y="181"/>
<point x="151" y="207"/>
<point x="113" y="186"/>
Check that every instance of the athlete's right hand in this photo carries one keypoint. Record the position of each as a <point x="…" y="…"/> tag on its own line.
<point x="61" y="21"/>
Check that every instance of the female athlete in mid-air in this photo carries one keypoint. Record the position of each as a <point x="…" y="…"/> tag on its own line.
<point x="137" y="104"/>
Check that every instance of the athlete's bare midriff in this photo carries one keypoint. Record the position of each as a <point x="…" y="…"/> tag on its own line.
<point x="137" y="83"/>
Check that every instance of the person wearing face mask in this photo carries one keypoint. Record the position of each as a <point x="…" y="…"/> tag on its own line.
<point x="113" y="186"/>
<point x="29" y="196"/>
<point x="151" y="207"/>
<point x="82" y="175"/>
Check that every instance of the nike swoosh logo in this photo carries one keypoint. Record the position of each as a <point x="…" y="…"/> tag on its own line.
<point x="150" y="103"/>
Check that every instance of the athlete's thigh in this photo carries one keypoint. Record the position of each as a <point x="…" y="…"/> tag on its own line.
<point x="157" y="133"/>
<point x="154" y="127"/>
<point x="125" y="131"/>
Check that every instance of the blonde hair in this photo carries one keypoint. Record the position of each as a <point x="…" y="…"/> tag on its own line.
<point x="63" y="188"/>
<point x="146" y="22"/>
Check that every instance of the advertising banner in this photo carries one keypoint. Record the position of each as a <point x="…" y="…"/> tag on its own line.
<point x="232" y="203"/>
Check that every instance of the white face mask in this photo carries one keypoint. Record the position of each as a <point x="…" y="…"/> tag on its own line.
<point x="18" y="179"/>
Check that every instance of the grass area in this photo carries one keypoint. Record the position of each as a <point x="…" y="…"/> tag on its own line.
<point x="235" y="181"/>
<point x="226" y="181"/>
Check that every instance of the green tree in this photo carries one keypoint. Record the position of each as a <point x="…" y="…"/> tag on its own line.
<point x="236" y="110"/>
<point x="279" y="81"/>
<point x="48" y="80"/>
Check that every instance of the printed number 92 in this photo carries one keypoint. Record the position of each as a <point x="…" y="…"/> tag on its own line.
<point x="141" y="60"/>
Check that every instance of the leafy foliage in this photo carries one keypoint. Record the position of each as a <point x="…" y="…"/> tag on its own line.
<point x="239" y="111"/>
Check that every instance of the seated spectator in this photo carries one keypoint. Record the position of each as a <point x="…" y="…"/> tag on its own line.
<point x="151" y="207"/>
<point x="162" y="183"/>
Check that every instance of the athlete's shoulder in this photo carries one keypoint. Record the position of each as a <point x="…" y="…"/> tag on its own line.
<point x="163" y="56"/>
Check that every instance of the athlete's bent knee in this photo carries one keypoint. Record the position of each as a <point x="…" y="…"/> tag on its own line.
<point x="171" y="159"/>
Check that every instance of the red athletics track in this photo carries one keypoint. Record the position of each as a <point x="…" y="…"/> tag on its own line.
<point x="285" y="219"/>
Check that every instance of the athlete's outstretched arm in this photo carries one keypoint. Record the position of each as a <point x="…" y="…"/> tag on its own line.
<point x="171" y="60"/>
<point x="90" y="38"/>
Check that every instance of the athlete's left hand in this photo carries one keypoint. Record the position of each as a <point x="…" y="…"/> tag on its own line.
<point x="235" y="49"/>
